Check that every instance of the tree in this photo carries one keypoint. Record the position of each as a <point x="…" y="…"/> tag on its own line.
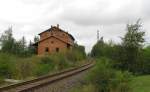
<point x="145" y="69"/>
<point x="36" y="39"/>
<point x="31" y="48"/>
<point x="11" y="46"/>
<point x="23" y="47"/>
<point x="97" y="48"/>
<point x="77" y="53"/>
<point x="23" y="43"/>
<point x="132" y="46"/>
<point x="102" y="49"/>
<point x="20" y="48"/>
<point x="7" y="41"/>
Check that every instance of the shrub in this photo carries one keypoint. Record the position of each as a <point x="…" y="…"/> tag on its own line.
<point x="62" y="62"/>
<point x="77" y="53"/>
<point x="12" y="66"/>
<point x="101" y="74"/>
<point x="6" y="65"/>
<point x="120" y="82"/>
<point x="24" y="69"/>
<point x="107" y="79"/>
<point x="45" y="65"/>
<point x="1" y="80"/>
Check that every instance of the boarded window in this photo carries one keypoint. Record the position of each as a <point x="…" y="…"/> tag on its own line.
<point x="57" y="49"/>
<point x="52" y="42"/>
<point x="68" y="46"/>
<point x="46" y="49"/>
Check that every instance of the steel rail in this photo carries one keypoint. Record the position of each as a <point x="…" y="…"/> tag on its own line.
<point x="45" y="80"/>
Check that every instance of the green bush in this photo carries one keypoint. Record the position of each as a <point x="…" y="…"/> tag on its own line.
<point x="43" y="69"/>
<point x="107" y="79"/>
<point x="120" y="82"/>
<point x="62" y="62"/>
<point x="6" y="65"/>
<point x="24" y="69"/>
<point x="145" y="66"/>
<point x="12" y="66"/>
<point x="1" y="80"/>
<point x="45" y="65"/>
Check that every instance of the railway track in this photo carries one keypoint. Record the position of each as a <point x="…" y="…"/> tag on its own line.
<point x="32" y="85"/>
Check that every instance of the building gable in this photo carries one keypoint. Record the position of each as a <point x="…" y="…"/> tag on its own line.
<point x="52" y="44"/>
<point x="54" y="40"/>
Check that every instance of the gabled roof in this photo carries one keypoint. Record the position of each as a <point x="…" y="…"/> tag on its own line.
<point x="36" y="44"/>
<point x="54" y="27"/>
<point x="44" y="31"/>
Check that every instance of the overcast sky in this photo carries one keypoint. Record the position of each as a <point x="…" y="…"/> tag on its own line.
<point x="81" y="18"/>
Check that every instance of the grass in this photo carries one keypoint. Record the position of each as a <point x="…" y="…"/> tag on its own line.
<point x="84" y="88"/>
<point x="141" y="84"/>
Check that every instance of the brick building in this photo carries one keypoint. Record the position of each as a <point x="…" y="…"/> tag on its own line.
<point x="54" y="40"/>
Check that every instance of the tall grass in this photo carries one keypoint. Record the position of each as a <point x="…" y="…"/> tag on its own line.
<point x="23" y="68"/>
<point x="104" y="78"/>
<point x="108" y="79"/>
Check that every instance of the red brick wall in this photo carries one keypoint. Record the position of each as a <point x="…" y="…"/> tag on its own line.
<point x="62" y="35"/>
<point x="44" y="35"/>
<point x="56" y="32"/>
<point x="52" y="43"/>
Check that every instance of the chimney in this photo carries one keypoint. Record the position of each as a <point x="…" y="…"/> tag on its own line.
<point x="57" y="25"/>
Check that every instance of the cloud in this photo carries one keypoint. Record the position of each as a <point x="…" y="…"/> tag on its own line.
<point x="81" y="18"/>
<point x="102" y="12"/>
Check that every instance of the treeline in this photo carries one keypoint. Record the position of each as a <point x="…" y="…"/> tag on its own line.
<point x="117" y="64"/>
<point x="20" y="48"/>
<point x="19" y="60"/>
<point x="131" y="54"/>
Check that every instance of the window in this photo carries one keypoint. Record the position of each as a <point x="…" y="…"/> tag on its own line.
<point x="52" y="42"/>
<point x="68" y="46"/>
<point x="57" y="49"/>
<point x="46" y="49"/>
